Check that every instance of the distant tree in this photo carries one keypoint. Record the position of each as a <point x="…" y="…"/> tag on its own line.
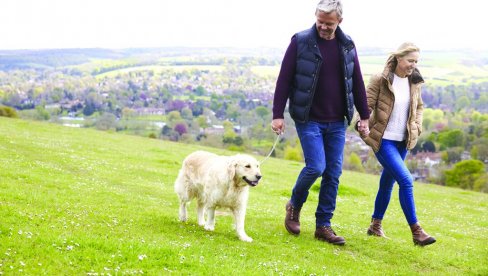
<point x="229" y="133"/>
<point x="107" y="121"/>
<point x="462" y="103"/>
<point x="452" y="155"/>
<point x="42" y="114"/>
<point x="262" y="112"/>
<point x="435" y="115"/>
<point x="166" y="130"/>
<point x="134" y="87"/>
<point x="416" y="149"/>
<point x="426" y="123"/>
<point x="451" y="138"/>
<point x="13" y="100"/>
<point x="292" y="153"/>
<point x="479" y="150"/>
<point x="428" y="146"/>
<point x="354" y="163"/>
<point x="372" y="165"/>
<point x="228" y="137"/>
<point x="412" y="164"/>
<point x="202" y="121"/>
<point x="200" y="91"/>
<point x="128" y="113"/>
<point x="56" y="95"/>
<point x="89" y="109"/>
<point x="465" y="173"/>
<point x="216" y="103"/>
<point x="197" y="108"/>
<point x="481" y="103"/>
<point x="228" y="126"/>
<point x="164" y="94"/>
<point x="233" y="112"/>
<point x="481" y="184"/>
<point x="93" y="103"/>
<point x="238" y="141"/>
<point x="7" y="111"/>
<point x="175" y="105"/>
<point x="440" y="126"/>
<point x="187" y="114"/>
<point x="181" y="128"/>
<point x="174" y="116"/>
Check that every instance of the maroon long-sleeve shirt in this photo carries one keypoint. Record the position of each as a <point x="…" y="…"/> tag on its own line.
<point x="329" y="102"/>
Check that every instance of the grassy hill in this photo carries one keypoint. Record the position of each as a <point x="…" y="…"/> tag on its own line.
<point x="79" y="201"/>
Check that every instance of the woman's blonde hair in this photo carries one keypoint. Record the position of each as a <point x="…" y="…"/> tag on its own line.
<point x="403" y="50"/>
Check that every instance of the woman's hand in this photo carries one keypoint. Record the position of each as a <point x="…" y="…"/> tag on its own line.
<point x="363" y="128"/>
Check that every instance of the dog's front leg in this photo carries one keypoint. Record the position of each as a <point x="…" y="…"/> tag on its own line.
<point x="210" y="224"/>
<point x="239" y="216"/>
<point x="183" y="214"/>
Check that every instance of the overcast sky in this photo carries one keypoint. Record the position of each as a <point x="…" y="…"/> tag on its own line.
<point x="432" y="24"/>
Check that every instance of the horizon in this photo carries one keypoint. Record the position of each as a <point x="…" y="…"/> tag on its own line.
<point x="76" y="24"/>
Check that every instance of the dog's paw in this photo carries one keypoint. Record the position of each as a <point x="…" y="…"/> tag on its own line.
<point x="209" y="228"/>
<point x="245" y="238"/>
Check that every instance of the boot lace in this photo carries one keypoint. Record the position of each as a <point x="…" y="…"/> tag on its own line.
<point x="294" y="214"/>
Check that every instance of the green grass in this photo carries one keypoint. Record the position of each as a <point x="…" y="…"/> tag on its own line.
<point x="79" y="201"/>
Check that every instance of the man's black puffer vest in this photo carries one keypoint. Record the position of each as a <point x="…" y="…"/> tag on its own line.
<point x="309" y="61"/>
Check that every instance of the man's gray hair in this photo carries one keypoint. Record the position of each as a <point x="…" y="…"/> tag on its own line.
<point x="329" y="6"/>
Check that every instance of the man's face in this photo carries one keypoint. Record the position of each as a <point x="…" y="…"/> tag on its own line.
<point x="327" y="24"/>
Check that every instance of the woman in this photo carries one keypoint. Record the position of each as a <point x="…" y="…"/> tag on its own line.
<point x="395" y="123"/>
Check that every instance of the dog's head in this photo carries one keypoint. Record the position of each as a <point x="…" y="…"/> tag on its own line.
<point x="245" y="167"/>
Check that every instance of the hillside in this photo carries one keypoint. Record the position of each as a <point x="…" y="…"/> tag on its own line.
<point x="80" y="201"/>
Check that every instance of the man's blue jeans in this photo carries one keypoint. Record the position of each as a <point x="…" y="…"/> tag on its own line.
<point x="391" y="156"/>
<point x="322" y="145"/>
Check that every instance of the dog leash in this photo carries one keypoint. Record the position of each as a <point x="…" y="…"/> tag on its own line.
<point x="272" y="149"/>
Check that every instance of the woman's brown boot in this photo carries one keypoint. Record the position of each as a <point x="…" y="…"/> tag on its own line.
<point x="419" y="236"/>
<point x="375" y="228"/>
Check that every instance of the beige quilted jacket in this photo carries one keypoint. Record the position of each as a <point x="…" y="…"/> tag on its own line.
<point x="380" y="102"/>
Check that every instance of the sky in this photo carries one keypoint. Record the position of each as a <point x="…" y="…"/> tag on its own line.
<point x="42" y="24"/>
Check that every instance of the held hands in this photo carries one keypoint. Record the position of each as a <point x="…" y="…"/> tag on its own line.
<point x="363" y="128"/>
<point x="278" y="126"/>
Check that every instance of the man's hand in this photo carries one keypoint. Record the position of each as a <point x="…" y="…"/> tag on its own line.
<point x="278" y="126"/>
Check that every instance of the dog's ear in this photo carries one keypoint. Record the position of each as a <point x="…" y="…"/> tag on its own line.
<point x="231" y="169"/>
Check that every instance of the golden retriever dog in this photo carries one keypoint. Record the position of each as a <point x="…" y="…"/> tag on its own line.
<point x="217" y="181"/>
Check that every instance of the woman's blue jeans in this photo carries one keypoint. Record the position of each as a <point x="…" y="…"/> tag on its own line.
<point x="391" y="156"/>
<point x="322" y="145"/>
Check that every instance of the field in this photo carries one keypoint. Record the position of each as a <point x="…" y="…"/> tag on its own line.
<point x="162" y="68"/>
<point x="443" y="68"/>
<point x="80" y="201"/>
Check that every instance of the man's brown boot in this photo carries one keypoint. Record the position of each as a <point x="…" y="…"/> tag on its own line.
<point x="292" y="219"/>
<point x="325" y="233"/>
<point x="419" y="236"/>
<point x="375" y="228"/>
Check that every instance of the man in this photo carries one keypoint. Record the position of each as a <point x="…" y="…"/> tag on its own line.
<point x="321" y="76"/>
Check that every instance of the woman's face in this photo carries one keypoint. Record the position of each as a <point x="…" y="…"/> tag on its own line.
<point x="407" y="64"/>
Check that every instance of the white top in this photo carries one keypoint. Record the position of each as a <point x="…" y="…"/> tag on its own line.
<point x="397" y="125"/>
